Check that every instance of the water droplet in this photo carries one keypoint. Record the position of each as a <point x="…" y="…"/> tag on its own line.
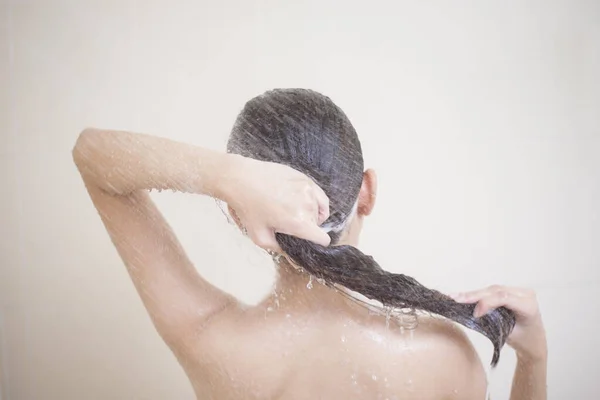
<point x="408" y="318"/>
<point x="309" y="285"/>
<point x="374" y="377"/>
<point x="343" y="339"/>
<point x="388" y="316"/>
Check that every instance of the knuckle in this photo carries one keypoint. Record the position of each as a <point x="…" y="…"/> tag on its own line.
<point x="307" y="189"/>
<point x="502" y="294"/>
<point x="305" y="200"/>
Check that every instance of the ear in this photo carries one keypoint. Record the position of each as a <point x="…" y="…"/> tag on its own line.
<point x="368" y="193"/>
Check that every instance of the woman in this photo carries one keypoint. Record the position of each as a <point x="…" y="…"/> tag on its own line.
<point x="294" y="182"/>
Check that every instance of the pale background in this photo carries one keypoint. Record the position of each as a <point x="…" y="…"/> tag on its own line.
<point x="481" y="118"/>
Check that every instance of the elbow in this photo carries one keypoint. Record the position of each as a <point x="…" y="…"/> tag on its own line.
<point x="83" y="144"/>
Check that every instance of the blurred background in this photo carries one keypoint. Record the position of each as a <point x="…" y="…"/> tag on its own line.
<point x="481" y="118"/>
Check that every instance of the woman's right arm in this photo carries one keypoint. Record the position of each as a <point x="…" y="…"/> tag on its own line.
<point x="118" y="168"/>
<point x="121" y="163"/>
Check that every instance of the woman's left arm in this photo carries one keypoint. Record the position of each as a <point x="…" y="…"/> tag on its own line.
<point x="528" y="338"/>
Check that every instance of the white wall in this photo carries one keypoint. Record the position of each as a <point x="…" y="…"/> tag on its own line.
<point x="481" y="118"/>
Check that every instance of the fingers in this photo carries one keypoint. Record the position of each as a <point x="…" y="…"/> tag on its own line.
<point x="476" y="295"/>
<point x="265" y="238"/>
<point x="521" y="301"/>
<point x="311" y="232"/>
<point x="306" y="224"/>
<point x="323" y="203"/>
<point x="495" y="300"/>
<point x="298" y="215"/>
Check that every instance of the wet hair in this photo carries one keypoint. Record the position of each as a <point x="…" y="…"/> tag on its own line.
<point x="305" y="130"/>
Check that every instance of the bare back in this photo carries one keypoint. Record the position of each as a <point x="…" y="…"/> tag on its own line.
<point x="299" y="351"/>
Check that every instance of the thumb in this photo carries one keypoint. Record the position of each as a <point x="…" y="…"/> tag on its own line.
<point x="312" y="233"/>
<point x="265" y="238"/>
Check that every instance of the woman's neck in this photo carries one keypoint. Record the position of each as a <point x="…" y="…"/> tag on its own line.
<point x="299" y="283"/>
<point x="297" y="288"/>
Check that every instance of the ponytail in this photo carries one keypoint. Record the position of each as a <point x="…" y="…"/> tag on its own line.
<point x="349" y="267"/>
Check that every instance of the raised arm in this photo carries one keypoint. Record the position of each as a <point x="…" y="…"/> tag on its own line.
<point x="118" y="168"/>
<point x="528" y="337"/>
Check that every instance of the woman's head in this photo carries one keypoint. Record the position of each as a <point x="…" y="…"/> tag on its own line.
<point x="308" y="132"/>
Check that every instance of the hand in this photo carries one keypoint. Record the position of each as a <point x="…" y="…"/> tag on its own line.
<point x="528" y="338"/>
<point x="268" y="197"/>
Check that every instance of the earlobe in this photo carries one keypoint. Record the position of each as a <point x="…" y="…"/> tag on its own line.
<point x="368" y="193"/>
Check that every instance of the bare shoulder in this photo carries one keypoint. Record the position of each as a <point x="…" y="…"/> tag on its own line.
<point x="235" y="353"/>
<point x="447" y="354"/>
<point x="448" y="336"/>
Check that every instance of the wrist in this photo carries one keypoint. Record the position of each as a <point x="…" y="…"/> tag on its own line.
<point x="225" y="167"/>
<point x="535" y="348"/>
<point x="539" y="356"/>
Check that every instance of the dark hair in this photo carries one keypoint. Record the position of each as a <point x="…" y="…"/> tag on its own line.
<point x="308" y="132"/>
